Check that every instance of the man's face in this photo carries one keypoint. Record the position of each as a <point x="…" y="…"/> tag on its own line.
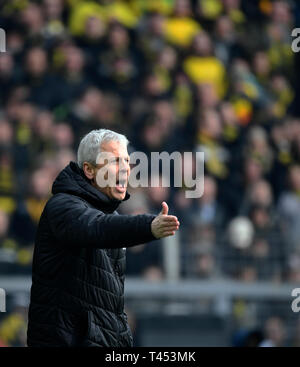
<point x="117" y="166"/>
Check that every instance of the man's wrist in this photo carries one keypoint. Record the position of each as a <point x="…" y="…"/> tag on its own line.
<point x="151" y="218"/>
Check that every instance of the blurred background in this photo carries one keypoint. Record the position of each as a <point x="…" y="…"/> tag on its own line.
<point x="216" y="76"/>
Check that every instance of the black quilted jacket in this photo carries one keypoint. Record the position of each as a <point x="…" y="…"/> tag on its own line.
<point x="77" y="293"/>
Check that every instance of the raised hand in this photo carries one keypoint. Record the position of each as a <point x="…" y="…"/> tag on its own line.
<point x="164" y="225"/>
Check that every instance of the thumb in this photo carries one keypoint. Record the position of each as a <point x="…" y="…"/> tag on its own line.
<point x="165" y="208"/>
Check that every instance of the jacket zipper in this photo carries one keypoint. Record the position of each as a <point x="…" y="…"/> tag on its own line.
<point x="116" y="269"/>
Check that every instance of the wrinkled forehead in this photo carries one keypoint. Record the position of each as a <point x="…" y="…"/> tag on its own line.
<point x="114" y="148"/>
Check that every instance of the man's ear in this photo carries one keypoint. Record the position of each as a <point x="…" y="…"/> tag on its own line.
<point x="88" y="170"/>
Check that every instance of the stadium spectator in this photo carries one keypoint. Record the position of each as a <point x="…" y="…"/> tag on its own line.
<point x="274" y="333"/>
<point x="214" y="76"/>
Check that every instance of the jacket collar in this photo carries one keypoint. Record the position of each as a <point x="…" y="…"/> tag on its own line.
<point x="72" y="180"/>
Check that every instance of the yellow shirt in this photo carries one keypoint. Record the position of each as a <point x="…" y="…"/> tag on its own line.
<point x="122" y="12"/>
<point x="80" y="13"/>
<point x="181" y="31"/>
<point x="206" y="70"/>
<point x="140" y="7"/>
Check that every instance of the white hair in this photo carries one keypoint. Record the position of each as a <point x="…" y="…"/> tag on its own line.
<point x="90" y="144"/>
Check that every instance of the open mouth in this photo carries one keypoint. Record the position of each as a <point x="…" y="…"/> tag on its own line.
<point x="121" y="185"/>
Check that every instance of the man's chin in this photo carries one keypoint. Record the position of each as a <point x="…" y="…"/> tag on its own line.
<point x="118" y="195"/>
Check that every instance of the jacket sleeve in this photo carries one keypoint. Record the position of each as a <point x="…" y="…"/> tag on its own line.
<point x="74" y="224"/>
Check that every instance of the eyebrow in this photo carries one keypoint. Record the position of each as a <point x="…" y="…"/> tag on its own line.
<point x="118" y="158"/>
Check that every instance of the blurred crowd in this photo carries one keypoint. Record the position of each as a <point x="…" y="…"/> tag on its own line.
<point x="212" y="76"/>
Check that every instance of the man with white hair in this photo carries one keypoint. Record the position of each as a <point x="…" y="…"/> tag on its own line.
<point x="77" y="293"/>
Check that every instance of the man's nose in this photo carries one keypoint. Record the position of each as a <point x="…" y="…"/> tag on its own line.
<point x="124" y="167"/>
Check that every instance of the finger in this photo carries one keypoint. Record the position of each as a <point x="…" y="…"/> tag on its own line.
<point x="167" y="223"/>
<point x="165" y="208"/>
<point x="170" y="223"/>
<point x="169" y="233"/>
<point x="170" y="227"/>
<point x="169" y="218"/>
<point x="170" y="230"/>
